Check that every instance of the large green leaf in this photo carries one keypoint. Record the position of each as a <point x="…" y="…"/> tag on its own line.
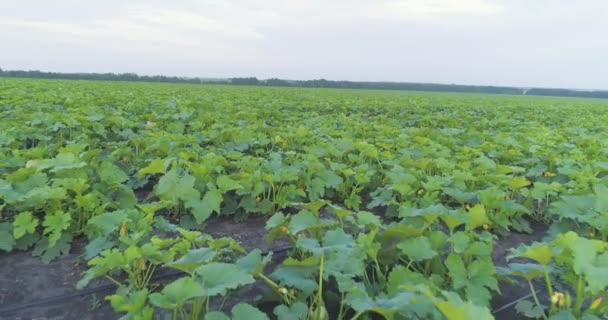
<point x="202" y="209"/>
<point x="24" y="224"/>
<point x="193" y="259"/>
<point x="54" y="225"/>
<point x="178" y="292"/>
<point x="173" y="187"/>
<point x="7" y="241"/>
<point x="417" y="249"/>
<point x="217" y="278"/>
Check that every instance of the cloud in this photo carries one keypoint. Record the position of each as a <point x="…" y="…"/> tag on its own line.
<point x="191" y="22"/>
<point x="141" y="25"/>
<point x="429" y="9"/>
<point x="188" y="22"/>
<point x="549" y="42"/>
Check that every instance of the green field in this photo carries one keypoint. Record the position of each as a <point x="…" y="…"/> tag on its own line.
<point x="391" y="202"/>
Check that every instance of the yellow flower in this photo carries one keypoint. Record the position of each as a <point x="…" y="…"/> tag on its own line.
<point x="550" y="174"/>
<point x="558" y="299"/>
<point x="142" y="264"/>
<point x="123" y="229"/>
<point x="420" y="191"/>
<point x="284" y="229"/>
<point x="596" y="303"/>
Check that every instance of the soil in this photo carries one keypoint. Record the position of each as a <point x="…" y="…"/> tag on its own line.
<point x="504" y="303"/>
<point x="30" y="289"/>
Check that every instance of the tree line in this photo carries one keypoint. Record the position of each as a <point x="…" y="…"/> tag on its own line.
<point x="318" y="83"/>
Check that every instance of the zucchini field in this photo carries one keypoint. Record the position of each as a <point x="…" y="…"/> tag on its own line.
<point x="174" y="201"/>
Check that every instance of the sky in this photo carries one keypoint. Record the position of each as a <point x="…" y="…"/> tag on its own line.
<point x="524" y="43"/>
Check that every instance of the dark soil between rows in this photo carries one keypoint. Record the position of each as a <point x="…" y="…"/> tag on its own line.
<point x="30" y="289"/>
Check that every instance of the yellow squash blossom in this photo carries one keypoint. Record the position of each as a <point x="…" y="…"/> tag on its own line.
<point x="558" y="298"/>
<point x="122" y="229"/>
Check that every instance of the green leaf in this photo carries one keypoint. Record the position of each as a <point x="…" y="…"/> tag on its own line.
<point x="456" y="309"/>
<point x="276" y="220"/>
<point x="96" y="246"/>
<point x="202" y="209"/>
<point x="297" y="311"/>
<point x="457" y="271"/>
<point x="368" y="219"/>
<point x="477" y="217"/>
<point x="216" y="315"/>
<point x="337" y="239"/>
<point x="193" y="259"/>
<point x="27" y="241"/>
<point x="24" y="224"/>
<point x="528" y="271"/>
<point x="538" y="252"/>
<point x="218" y="277"/>
<point x="460" y="241"/>
<point x="108" y="222"/>
<point x="172" y="187"/>
<point x="386" y="306"/>
<point x="529" y="309"/>
<point x="481" y="276"/>
<point x="225" y="184"/>
<point x="154" y="167"/>
<point x="125" y="197"/>
<point x="254" y="262"/>
<point x="567" y="315"/>
<point x="111" y="174"/>
<point x="6" y="237"/>
<point x="417" y="249"/>
<point x="518" y="182"/>
<point x="177" y="293"/>
<point x="55" y="224"/>
<point x="247" y="312"/>
<point x="331" y="179"/>
<point x="302" y="221"/>
<point x="63" y="161"/>
<point x="298" y="274"/>
<point x="129" y="301"/>
<point x="48" y="253"/>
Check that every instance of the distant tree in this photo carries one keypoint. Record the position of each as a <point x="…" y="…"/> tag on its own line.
<point x="251" y="81"/>
<point x="277" y="82"/>
<point x="318" y="83"/>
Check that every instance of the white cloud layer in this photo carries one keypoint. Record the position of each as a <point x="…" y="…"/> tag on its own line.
<point x="516" y="42"/>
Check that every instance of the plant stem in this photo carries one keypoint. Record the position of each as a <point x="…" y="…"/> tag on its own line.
<point x="579" y="296"/>
<point x="341" y="312"/>
<point x="267" y="280"/>
<point x="549" y="287"/>
<point x="320" y="293"/>
<point x="536" y="298"/>
<point x="113" y="280"/>
<point x="357" y="316"/>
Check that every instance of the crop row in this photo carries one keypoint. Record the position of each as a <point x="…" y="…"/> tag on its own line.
<point x="392" y="202"/>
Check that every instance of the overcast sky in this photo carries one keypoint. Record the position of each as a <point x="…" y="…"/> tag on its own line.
<point x="548" y="43"/>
